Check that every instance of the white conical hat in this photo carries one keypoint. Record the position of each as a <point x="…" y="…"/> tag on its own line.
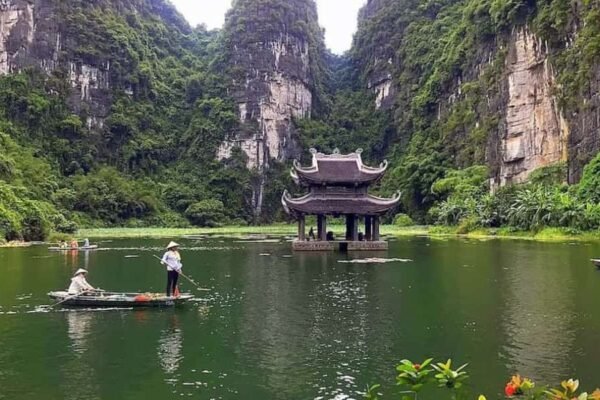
<point x="80" y="271"/>
<point x="172" y="244"/>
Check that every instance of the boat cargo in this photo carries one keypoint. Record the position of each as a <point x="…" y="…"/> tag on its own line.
<point x="112" y="299"/>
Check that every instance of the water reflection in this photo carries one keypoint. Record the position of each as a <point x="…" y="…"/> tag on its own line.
<point x="539" y="313"/>
<point x="170" y="346"/>
<point x="80" y="380"/>
<point x="309" y="314"/>
<point x="79" y="328"/>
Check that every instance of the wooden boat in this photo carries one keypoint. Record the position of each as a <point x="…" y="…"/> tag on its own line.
<point x="112" y="299"/>
<point x="84" y="248"/>
<point x="596" y="262"/>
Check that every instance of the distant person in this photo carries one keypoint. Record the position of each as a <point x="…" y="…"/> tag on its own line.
<point x="86" y="243"/>
<point x="311" y="234"/>
<point x="361" y="236"/>
<point x="330" y="236"/>
<point x="62" y="244"/>
<point x="79" y="284"/>
<point x="74" y="244"/>
<point x="172" y="259"/>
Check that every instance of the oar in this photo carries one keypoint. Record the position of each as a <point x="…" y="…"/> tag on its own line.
<point x="182" y="274"/>
<point x="69" y="298"/>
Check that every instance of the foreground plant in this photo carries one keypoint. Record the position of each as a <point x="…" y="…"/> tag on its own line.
<point x="415" y="376"/>
<point x="412" y="377"/>
<point x="518" y="386"/>
<point x="448" y="377"/>
<point x="568" y="391"/>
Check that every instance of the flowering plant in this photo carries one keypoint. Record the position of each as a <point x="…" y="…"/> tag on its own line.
<point x="568" y="391"/>
<point x="412" y="374"/>
<point x="518" y="386"/>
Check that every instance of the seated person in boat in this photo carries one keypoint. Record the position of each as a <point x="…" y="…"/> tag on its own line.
<point x="74" y="244"/>
<point x="86" y="243"/>
<point x="79" y="284"/>
<point x="63" y="244"/>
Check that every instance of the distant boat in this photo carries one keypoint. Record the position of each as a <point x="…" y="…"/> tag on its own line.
<point x="56" y="248"/>
<point x="596" y="262"/>
<point x="112" y="299"/>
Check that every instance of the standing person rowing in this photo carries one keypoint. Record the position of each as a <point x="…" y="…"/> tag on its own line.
<point x="172" y="259"/>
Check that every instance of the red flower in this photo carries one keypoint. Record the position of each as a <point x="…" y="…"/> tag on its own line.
<point x="417" y="366"/>
<point x="510" y="390"/>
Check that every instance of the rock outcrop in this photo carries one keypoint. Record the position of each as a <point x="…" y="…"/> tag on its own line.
<point x="535" y="133"/>
<point x="380" y="62"/>
<point x="272" y="49"/>
<point x="584" y="140"/>
<point x="31" y="35"/>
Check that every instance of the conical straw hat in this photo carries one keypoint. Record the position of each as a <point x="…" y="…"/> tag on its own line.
<point x="171" y="245"/>
<point x="80" y="271"/>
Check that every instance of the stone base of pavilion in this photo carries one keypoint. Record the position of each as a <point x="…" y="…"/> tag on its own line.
<point x="340" y="245"/>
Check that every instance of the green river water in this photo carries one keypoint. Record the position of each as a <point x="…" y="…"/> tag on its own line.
<point x="278" y="325"/>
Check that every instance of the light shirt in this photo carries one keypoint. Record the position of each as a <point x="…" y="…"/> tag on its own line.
<point x="172" y="260"/>
<point x="79" y="284"/>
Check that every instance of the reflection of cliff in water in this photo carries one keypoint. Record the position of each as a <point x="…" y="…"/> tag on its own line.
<point x="170" y="347"/>
<point x="309" y="316"/>
<point x="539" y="313"/>
<point x="79" y="379"/>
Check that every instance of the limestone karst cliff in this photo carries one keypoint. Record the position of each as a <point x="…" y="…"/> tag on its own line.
<point x="274" y="51"/>
<point x="512" y="85"/>
<point x="203" y="124"/>
<point x="274" y="54"/>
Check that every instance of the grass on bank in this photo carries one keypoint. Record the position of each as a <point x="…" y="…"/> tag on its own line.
<point x="547" y="234"/>
<point x="278" y="229"/>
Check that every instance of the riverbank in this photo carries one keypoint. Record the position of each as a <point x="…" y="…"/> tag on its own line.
<point x="277" y="229"/>
<point x="547" y="234"/>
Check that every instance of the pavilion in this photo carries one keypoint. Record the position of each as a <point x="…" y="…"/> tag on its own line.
<point x="338" y="186"/>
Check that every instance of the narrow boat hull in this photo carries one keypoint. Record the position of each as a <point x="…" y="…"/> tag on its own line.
<point x="119" y="300"/>
<point x="596" y="262"/>
<point x="84" y="248"/>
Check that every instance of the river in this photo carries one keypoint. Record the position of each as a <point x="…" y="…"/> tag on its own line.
<point x="277" y="325"/>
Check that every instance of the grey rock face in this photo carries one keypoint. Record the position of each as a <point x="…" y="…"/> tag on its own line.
<point x="272" y="63"/>
<point x="379" y="77"/>
<point x="31" y="36"/>
<point x="584" y="140"/>
<point x="535" y="133"/>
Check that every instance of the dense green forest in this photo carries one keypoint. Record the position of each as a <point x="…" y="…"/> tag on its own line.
<point x="152" y="160"/>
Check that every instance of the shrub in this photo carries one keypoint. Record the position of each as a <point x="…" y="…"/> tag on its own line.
<point x="589" y="186"/>
<point x="403" y="220"/>
<point x="206" y="213"/>
<point x="109" y="196"/>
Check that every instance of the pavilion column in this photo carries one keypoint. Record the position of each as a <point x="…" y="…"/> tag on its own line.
<point x="321" y="233"/>
<point x="324" y="228"/>
<point x="355" y="228"/>
<point x="368" y="228"/>
<point x="301" y="228"/>
<point x="376" y="229"/>
<point x="348" y="227"/>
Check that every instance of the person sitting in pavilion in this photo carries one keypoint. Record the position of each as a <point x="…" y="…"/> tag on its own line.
<point x="79" y="284"/>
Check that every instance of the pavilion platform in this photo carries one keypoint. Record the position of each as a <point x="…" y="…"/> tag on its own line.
<point x="339" y="245"/>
